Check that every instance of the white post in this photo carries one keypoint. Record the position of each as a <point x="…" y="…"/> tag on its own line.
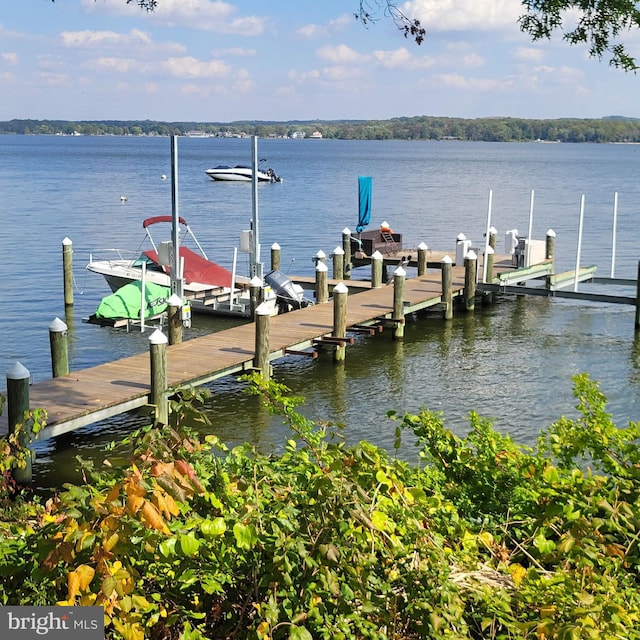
<point x="530" y="230"/>
<point x="232" y="293"/>
<point x="575" y="279"/>
<point x="613" y="241"/>
<point x="142" y="287"/>
<point x="176" y="281"/>
<point x="256" y="265"/>
<point x="486" y="237"/>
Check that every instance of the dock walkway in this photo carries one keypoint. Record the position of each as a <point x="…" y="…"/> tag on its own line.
<point x="90" y="395"/>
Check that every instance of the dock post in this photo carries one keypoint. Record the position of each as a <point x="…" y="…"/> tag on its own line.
<point x="322" y="286"/>
<point x="256" y="294"/>
<point x="422" y="259"/>
<point x="321" y="256"/>
<point x="376" y="270"/>
<point x="59" y="348"/>
<point x="399" y="277"/>
<point x="470" y="274"/>
<point x="158" y="394"/>
<point x="346" y="247"/>
<point x="637" y="325"/>
<point x="275" y="257"/>
<point x="67" y="271"/>
<point x="340" y="293"/>
<point x="261" y="359"/>
<point x="487" y="296"/>
<point x="175" y="319"/>
<point x="550" y="246"/>
<point x="18" y="378"/>
<point x="447" y="287"/>
<point x="338" y="263"/>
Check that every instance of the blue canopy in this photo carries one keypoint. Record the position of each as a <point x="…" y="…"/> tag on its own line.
<point x="364" y="202"/>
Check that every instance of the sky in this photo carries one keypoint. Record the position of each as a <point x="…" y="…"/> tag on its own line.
<point x="283" y="60"/>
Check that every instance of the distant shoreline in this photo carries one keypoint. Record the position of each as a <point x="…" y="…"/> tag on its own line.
<point x="611" y="129"/>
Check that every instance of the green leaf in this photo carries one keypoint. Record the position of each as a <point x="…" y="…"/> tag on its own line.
<point x="246" y="536"/>
<point x="299" y="633"/>
<point x="189" y="544"/>
<point x="212" y="528"/>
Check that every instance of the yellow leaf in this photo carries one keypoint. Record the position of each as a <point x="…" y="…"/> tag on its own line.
<point x="152" y="517"/>
<point x="73" y="585"/>
<point x="134" y="503"/>
<point x="518" y="572"/>
<point x="85" y="573"/>
<point x="111" y="542"/>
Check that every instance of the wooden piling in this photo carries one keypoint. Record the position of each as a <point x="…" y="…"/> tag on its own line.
<point x="470" y="275"/>
<point x="399" y="277"/>
<point x="376" y="270"/>
<point x="158" y="392"/>
<point x="338" y="263"/>
<point x="256" y="294"/>
<point x="340" y="293"/>
<point x="18" y="378"/>
<point x="275" y="256"/>
<point x="59" y="348"/>
<point x="637" y="324"/>
<point x="67" y="271"/>
<point x="422" y="259"/>
<point x="261" y="358"/>
<point x="346" y="247"/>
<point x="322" y="285"/>
<point x="493" y="237"/>
<point x="447" y="287"/>
<point x="175" y="319"/>
<point x="321" y="256"/>
<point x="550" y="246"/>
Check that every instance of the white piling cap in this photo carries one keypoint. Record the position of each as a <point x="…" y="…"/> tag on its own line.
<point x="551" y="233"/>
<point x="493" y="230"/>
<point x="461" y="236"/>
<point x="255" y="282"/>
<point x="321" y="254"/>
<point x="346" y="231"/>
<point x="471" y="255"/>
<point x="376" y="255"/>
<point x="338" y="251"/>
<point x="66" y="241"/>
<point x="384" y="224"/>
<point x="275" y="247"/>
<point x="490" y="250"/>
<point x="263" y="309"/>
<point x="157" y="337"/>
<point x="447" y="259"/>
<point x="18" y="372"/>
<point x="57" y="326"/>
<point x="321" y="266"/>
<point x="422" y="246"/>
<point x="175" y="301"/>
<point x="341" y="287"/>
<point x="400" y="272"/>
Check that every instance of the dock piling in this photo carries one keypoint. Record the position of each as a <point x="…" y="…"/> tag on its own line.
<point x="175" y="319"/>
<point x="338" y="263"/>
<point x="59" y="348"/>
<point x="340" y="293"/>
<point x="422" y="259"/>
<point x="487" y="296"/>
<point x="322" y="285"/>
<point x="470" y="275"/>
<point x="346" y="247"/>
<point x="376" y="270"/>
<point x="158" y="393"/>
<point x="447" y="287"/>
<point x="261" y="359"/>
<point x="67" y="271"/>
<point x="256" y="294"/>
<point x="275" y="256"/>
<point x="399" y="277"/>
<point x="18" y="379"/>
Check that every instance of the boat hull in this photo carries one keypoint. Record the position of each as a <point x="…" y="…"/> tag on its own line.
<point x="240" y="174"/>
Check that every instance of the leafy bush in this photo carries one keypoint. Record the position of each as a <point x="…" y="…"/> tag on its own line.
<point x="482" y="539"/>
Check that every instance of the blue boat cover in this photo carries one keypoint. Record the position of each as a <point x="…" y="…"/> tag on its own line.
<point x="364" y="202"/>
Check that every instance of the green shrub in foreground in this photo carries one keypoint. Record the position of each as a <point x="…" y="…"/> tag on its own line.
<point x="482" y="539"/>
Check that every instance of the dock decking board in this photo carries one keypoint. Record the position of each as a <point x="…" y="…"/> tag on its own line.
<point x="103" y="391"/>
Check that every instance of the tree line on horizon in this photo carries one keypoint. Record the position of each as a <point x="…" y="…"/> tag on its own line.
<point x="494" y="129"/>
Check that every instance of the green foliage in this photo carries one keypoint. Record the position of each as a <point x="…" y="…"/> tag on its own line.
<point x="482" y="539"/>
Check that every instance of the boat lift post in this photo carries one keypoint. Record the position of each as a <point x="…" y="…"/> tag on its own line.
<point x="256" y="267"/>
<point x="176" y="271"/>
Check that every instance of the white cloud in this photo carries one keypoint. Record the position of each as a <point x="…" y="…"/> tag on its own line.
<point x="457" y="81"/>
<point x="53" y="79"/>
<point x="110" y="40"/>
<point x="529" y="54"/>
<point x="340" y="54"/>
<point x="205" y="15"/>
<point x="235" y="52"/>
<point x="9" y="57"/>
<point x="465" y="15"/>
<point x="189" y="67"/>
<point x="310" y="31"/>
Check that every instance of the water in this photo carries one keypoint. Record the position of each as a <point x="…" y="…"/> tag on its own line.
<point x="512" y="362"/>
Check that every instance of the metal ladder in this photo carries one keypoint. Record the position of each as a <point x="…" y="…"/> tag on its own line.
<point x="390" y="243"/>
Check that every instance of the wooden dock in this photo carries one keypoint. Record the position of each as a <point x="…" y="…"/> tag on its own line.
<point x="97" y="393"/>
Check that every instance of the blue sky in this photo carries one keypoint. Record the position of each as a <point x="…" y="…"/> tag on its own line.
<point x="205" y="60"/>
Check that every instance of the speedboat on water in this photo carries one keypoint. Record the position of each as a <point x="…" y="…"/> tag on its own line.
<point x="209" y="287"/>
<point x="241" y="173"/>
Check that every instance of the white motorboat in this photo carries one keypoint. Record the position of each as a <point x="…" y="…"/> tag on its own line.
<point x="206" y="285"/>
<point x="241" y="173"/>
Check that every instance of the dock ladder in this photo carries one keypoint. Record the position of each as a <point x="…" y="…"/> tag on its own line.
<point x="390" y="243"/>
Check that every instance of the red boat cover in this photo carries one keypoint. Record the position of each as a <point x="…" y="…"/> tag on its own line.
<point x="198" y="269"/>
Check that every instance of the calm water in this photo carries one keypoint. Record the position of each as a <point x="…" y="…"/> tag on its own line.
<point x="512" y="362"/>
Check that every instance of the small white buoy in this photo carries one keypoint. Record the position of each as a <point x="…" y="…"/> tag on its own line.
<point x="123" y="198"/>
<point x="163" y="176"/>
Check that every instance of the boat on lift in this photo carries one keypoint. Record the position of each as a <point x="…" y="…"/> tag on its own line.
<point x="242" y="173"/>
